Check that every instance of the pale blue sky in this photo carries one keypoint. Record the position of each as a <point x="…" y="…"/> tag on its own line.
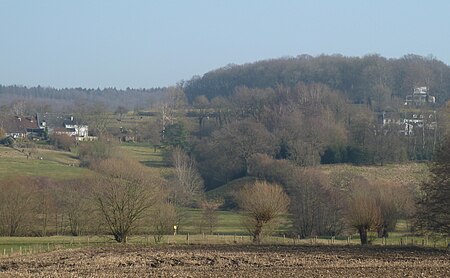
<point x="137" y="43"/>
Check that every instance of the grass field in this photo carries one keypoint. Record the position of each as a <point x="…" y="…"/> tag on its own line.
<point x="44" y="163"/>
<point x="31" y="245"/>
<point x="399" y="174"/>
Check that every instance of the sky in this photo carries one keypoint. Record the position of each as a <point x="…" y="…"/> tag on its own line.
<point x="157" y="43"/>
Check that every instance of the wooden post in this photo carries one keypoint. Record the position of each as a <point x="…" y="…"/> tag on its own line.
<point x="187" y="238"/>
<point x="401" y="241"/>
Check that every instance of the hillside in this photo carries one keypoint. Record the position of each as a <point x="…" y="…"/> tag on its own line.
<point x="363" y="80"/>
<point x="396" y="174"/>
<point x="43" y="163"/>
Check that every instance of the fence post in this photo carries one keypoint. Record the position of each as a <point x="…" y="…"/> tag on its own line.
<point x="187" y="238"/>
<point x="401" y="241"/>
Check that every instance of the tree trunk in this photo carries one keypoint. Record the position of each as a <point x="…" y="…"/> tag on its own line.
<point x="120" y="237"/>
<point x="363" y="235"/>
<point x="257" y="232"/>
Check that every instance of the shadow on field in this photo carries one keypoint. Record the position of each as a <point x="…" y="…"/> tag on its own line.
<point x="155" y="164"/>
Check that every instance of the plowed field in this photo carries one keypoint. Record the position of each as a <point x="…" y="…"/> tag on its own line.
<point x="231" y="261"/>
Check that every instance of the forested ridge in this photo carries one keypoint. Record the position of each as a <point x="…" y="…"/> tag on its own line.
<point x="65" y="98"/>
<point x="369" y="79"/>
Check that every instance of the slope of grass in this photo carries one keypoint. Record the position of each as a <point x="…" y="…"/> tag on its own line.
<point x="399" y="174"/>
<point x="44" y="163"/>
<point x="146" y="154"/>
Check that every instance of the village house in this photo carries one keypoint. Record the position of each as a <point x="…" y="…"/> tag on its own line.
<point x="409" y="121"/>
<point x="419" y="97"/>
<point x="73" y="128"/>
<point x="419" y="114"/>
<point x="19" y="127"/>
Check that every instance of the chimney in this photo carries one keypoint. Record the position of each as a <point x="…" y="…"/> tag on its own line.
<point x="71" y="118"/>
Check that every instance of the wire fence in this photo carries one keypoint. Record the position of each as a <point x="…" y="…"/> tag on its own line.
<point x="31" y="246"/>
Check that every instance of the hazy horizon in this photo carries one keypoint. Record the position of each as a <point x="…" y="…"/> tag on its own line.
<point x="147" y="44"/>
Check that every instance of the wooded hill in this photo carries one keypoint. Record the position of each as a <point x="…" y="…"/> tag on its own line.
<point x="42" y="99"/>
<point x="372" y="79"/>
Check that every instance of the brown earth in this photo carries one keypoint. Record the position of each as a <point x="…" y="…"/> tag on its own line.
<point x="231" y="261"/>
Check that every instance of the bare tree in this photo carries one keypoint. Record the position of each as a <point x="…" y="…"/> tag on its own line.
<point x="46" y="204"/>
<point x="364" y="211"/>
<point x="121" y="111"/>
<point x="242" y="140"/>
<point x="125" y="193"/>
<point x="77" y="204"/>
<point x="315" y="207"/>
<point x="262" y="204"/>
<point x="164" y="218"/>
<point x="16" y="204"/>
<point x="188" y="184"/>
<point x="210" y="217"/>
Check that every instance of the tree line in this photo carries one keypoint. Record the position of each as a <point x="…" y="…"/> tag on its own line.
<point x="308" y="124"/>
<point x="372" y="79"/>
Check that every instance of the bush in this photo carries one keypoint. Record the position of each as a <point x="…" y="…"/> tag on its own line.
<point x="62" y="141"/>
<point x="91" y="152"/>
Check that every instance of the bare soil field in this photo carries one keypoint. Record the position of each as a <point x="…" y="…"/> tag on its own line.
<point x="231" y="261"/>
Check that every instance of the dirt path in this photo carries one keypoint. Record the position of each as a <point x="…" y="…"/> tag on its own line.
<point x="231" y="261"/>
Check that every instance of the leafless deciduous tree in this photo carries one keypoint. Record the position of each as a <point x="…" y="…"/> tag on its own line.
<point x="16" y="204"/>
<point x="244" y="139"/>
<point x="364" y="211"/>
<point x="164" y="218"/>
<point x="124" y="195"/>
<point x="188" y="183"/>
<point x="77" y="203"/>
<point x="262" y="204"/>
<point x="210" y="217"/>
<point x="316" y="208"/>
